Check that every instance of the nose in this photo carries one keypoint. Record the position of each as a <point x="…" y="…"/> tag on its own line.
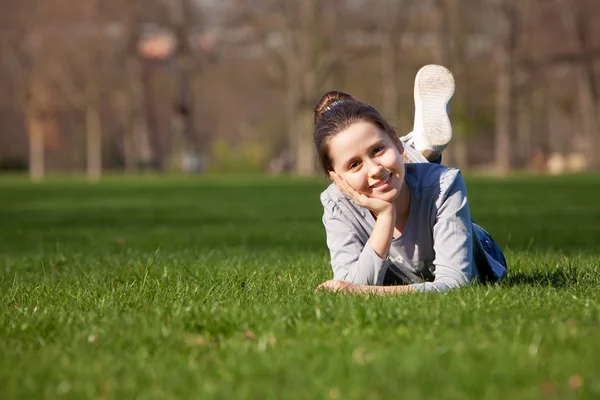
<point x="375" y="169"/>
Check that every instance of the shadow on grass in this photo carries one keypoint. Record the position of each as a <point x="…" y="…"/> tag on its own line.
<point x="561" y="278"/>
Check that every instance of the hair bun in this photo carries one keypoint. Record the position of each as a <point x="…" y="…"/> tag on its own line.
<point x="330" y="99"/>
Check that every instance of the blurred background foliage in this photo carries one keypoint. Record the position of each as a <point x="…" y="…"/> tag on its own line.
<point x="229" y="85"/>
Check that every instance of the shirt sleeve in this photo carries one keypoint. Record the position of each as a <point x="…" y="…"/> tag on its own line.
<point x="352" y="259"/>
<point x="452" y="237"/>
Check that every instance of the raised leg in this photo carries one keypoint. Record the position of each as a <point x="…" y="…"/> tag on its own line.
<point x="432" y="130"/>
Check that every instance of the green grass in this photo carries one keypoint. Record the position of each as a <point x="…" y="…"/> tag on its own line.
<point x="203" y="287"/>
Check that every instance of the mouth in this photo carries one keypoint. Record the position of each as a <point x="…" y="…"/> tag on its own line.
<point x="382" y="185"/>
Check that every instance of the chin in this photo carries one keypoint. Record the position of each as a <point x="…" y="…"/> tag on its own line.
<point x="387" y="196"/>
<point x="391" y="195"/>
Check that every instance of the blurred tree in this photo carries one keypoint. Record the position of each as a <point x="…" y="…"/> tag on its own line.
<point x="130" y="105"/>
<point x="185" y="22"/>
<point x="303" y="41"/>
<point x="392" y="21"/>
<point x="126" y="74"/>
<point x="577" y="19"/>
<point x="93" y="53"/>
<point x="24" y="59"/>
<point x="452" y="42"/>
<point x="504" y="24"/>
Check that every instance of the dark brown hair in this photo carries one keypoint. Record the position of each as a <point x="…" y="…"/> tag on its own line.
<point x="335" y="112"/>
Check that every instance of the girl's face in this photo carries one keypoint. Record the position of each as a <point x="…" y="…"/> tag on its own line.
<point x="368" y="160"/>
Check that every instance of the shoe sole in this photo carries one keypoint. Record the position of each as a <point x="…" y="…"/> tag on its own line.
<point x="434" y="87"/>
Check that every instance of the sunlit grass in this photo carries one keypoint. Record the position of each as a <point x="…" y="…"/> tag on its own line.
<point x="204" y="288"/>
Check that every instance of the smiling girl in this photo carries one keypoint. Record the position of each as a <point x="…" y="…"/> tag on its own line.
<point x="396" y="227"/>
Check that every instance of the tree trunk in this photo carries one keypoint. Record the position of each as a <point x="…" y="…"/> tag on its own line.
<point x="588" y="111"/>
<point x="305" y="148"/>
<point x="524" y="122"/>
<point x="129" y="154"/>
<point x="36" y="146"/>
<point x="308" y="75"/>
<point x="183" y="126"/>
<point x="576" y="24"/>
<point x="505" y="93"/>
<point x="155" y="139"/>
<point x="447" y="55"/>
<point x="37" y="112"/>
<point x="93" y="133"/>
<point x="502" y="137"/>
<point x="389" y="83"/>
<point x="292" y="95"/>
<point x="132" y="118"/>
<point x="137" y="151"/>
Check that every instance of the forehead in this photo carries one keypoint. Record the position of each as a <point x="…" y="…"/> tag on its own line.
<point x="354" y="140"/>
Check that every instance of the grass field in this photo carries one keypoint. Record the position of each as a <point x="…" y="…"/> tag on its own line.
<point x="203" y="287"/>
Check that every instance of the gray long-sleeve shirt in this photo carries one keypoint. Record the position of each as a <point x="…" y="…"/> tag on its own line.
<point x="437" y="249"/>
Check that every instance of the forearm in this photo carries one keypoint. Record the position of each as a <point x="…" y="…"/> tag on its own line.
<point x="381" y="237"/>
<point x="381" y="290"/>
<point x="352" y="257"/>
<point x="368" y="269"/>
<point x="353" y="288"/>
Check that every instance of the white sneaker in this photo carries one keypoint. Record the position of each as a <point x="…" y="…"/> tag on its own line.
<point x="432" y="130"/>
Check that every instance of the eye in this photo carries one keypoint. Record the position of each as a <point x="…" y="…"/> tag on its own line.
<point x="353" y="165"/>
<point x="378" y="149"/>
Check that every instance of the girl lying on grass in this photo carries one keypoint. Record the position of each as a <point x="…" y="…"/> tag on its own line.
<point x="394" y="227"/>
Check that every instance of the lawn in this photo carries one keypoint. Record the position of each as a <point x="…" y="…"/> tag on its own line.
<point x="203" y="287"/>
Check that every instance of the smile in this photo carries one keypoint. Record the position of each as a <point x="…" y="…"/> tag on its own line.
<point x="382" y="185"/>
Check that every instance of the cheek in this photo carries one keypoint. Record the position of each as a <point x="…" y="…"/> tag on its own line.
<point x="391" y="158"/>
<point x="398" y="163"/>
<point x="400" y="174"/>
<point x="355" y="181"/>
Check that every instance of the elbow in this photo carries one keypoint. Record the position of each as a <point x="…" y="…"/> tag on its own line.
<point x="442" y="284"/>
<point x="350" y="276"/>
<point x="455" y="278"/>
<point x="448" y="283"/>
<point x="452" y="283"/>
